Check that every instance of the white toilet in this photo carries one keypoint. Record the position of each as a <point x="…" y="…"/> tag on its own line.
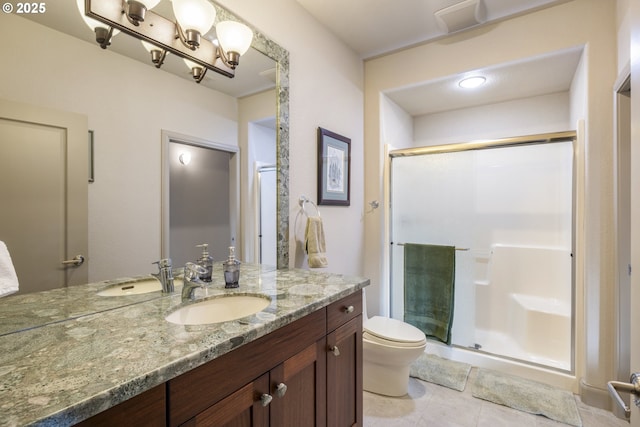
<point x="389" y="348"/>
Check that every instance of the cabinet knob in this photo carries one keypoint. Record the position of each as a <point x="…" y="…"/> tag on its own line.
<point x="281" y="389"/>
<point x="265" y="399"/>
<point x="349" y="309"/>
<point x="335" y="350"/>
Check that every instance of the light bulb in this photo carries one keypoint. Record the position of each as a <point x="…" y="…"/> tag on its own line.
<point x="198" y="15"/>
<point x="234" y="36"/>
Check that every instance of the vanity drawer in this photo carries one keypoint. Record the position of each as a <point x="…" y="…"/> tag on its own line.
<point x="340" y="312"/>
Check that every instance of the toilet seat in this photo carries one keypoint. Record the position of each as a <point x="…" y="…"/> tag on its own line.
<point x="393" y="332"/>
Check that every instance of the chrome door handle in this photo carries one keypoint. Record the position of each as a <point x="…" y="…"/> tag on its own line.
<point x="632" y="387"/>
<point x="77" y="261"/>
<point x="334" y="350"/>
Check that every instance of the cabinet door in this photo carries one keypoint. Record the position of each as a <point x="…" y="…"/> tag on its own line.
<point x="344" y="375"/>
<point x="243" y="408"/>
<point x="298" y="387"/>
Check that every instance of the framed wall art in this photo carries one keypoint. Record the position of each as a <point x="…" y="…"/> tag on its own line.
<point x="334" y="168"/>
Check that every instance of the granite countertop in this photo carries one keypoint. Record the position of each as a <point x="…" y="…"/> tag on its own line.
<point x="63" y="359"/>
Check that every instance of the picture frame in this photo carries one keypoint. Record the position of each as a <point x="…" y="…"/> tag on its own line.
<point x="334" y="168"/>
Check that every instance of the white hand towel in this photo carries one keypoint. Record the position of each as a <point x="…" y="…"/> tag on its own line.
<point x="8" y="277"/>
<point x="314" y="245"/>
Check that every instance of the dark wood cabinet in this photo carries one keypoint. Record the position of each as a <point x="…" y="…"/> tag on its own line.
<point x="145" y="409"/>
<point x="307" y="373"/>
<point x="344" y="364"/>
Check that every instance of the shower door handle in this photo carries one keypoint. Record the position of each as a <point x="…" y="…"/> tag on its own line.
<point x="632" y="387"/>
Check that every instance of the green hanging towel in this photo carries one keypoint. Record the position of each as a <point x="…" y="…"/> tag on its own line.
<point x="429" y="278"/>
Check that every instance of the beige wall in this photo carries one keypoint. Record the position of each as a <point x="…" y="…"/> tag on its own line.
<point x="588" y="23"/>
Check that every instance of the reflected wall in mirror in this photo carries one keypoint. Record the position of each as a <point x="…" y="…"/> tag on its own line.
<point x="127" y="103"/>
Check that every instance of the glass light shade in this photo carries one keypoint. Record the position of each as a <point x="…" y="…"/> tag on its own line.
<point x="196" y="15"/>
<point x="92" y="23"/>
<point x="149" y="4"/>
<point x="234" y="36"/>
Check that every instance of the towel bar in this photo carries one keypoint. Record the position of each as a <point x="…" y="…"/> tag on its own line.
<point x="302" y="200"/>
<point x="457" y="249"/>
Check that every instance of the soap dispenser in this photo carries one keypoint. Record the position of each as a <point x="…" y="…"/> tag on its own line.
<point x="231" y="270"/>
<point x="206" y="262"/>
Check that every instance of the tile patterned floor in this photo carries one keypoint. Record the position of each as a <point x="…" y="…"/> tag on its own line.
<point x="431" y="405"/>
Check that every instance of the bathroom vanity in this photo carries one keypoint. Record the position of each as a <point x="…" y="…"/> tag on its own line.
<point x="297" y="362"/>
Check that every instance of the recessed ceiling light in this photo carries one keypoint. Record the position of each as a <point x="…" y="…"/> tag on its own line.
<point x="471" y="82"/>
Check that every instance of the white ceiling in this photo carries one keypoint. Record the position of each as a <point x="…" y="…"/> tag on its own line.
<point x="375" y="27"/>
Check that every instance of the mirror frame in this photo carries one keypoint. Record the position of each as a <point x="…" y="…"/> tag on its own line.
<point x="268" y="47"/>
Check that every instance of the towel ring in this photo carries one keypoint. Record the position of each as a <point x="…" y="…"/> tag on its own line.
<point x="303" y="200"/>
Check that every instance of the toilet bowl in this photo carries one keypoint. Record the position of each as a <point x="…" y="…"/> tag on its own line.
<point x="389" y="347"/>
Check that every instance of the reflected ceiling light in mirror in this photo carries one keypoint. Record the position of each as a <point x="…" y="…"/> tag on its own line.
<point x="185" y="158"/>
<point x="182" y="38"/>
<point x="157" y="55"/>
<point x="472" y="82"/>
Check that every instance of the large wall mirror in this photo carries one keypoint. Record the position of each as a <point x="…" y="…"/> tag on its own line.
<point x="51" y="70"/>
<point x="265" y="67"/>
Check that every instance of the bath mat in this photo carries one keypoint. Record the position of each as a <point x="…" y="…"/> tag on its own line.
<point x="526" y="395"/>
<point x="437" y="370"/>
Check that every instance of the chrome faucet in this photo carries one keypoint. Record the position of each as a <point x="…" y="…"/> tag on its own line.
<point x="192" y="281"/>
<point x="165" y="275"/>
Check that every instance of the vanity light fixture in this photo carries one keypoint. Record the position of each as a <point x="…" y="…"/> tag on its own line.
<point x="197" y="71"/>
<point x="472" y="82"/>
<point x="136" y="10"/>
<point x="183" y="38"/>
<point x="157" y="55"/>
<point x="185" y="158"/>
<point x="103" y="32"/>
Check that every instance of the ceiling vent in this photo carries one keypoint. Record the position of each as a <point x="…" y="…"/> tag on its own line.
<point x="460" y="16"/>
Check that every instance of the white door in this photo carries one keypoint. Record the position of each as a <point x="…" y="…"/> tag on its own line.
<point x="267" y="209"/>
<point x="43" y="194"/>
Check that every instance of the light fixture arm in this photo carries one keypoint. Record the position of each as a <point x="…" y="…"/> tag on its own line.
<point x="158" y="56"/>
<point x="189" y="38"/>
<point x="231" y="59"/>
<point x="198" y="73"/>
<point x="103" y="36"/>
<point x="134" y="11"/>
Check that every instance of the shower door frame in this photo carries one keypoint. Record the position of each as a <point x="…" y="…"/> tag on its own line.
<point x="538" y="139"/>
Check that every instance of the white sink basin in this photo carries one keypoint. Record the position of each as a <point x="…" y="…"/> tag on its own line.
<point x="138" y="287"/>
<point x="219" y="309"/>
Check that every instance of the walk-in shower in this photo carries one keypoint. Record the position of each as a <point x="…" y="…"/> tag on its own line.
<point x="508" y="207"/>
